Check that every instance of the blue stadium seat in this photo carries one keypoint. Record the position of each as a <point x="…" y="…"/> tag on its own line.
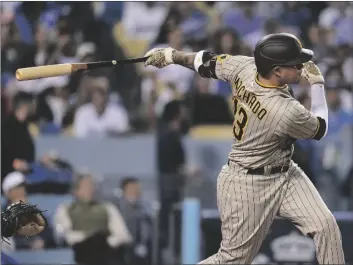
<point x="49" y="202"/>
<point x="55" y="256"/>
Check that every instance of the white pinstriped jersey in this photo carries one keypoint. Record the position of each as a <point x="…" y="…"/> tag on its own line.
<point x="267" y="120"/>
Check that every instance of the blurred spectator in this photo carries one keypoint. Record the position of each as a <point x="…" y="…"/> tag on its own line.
<point x="332" y="13"/>
<point x="318" y="41"/>
<point x="269" y="9"/>
<point x="95" y="230"/>
<point x="16" y="140"/>
<point x="295" y="17"/>
<point x="137" y="219"/>
<point x="243" y="19"/>
<point x="333" y="154"/>
<point x="100" y="117"/>
<point x="14" y="187"/>
<point x="270" y="26"/>
<point x="201" y="100"/>
<point x="347" y="188"/>
<point x="193" y="21"/>
<point x="50" y="175"/>
<point x="79" y="98"/>
<point x="171" y="162"/>
<point x="151" y="16"/>
<point x="163" y="85"/>
<point x="14" y="52"/>
<point x="86" y="52"/>
<point x="110" y="12"/>
<point x="335" y="80"/>
<point x="338" y="18"/>
<point x="225" y="41"/>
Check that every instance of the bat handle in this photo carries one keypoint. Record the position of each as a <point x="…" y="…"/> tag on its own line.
<point x="96" y="65"/>
<point x="139" y="60"/>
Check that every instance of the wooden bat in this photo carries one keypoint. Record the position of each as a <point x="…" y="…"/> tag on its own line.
<point x="44" y="71"/>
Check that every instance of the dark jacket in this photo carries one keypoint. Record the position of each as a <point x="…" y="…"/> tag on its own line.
<point x="16" y="142"/>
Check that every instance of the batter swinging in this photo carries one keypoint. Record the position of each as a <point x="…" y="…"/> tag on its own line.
<point x="260" y="180"/>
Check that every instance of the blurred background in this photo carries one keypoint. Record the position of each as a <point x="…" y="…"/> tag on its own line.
<point x="125" y="160"/>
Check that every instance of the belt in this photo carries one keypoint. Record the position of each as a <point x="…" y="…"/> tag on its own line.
<point x="261" y="170"/>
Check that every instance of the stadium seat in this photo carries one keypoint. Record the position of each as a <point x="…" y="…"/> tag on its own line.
<point x="55" y="256"/>
<point x="49" y="202"/>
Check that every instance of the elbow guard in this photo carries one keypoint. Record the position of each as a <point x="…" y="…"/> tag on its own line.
<point x="321" y="130"/>
<point x="205" y="64"/>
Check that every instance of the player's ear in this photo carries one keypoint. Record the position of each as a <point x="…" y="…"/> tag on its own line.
<point x="277" y="71"/>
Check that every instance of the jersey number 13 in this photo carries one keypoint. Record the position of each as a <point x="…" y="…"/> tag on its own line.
<point x="240" y="120"/>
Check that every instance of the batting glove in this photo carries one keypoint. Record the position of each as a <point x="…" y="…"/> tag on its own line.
<point x="159" y="57"/>
<point x="312" y="73"/>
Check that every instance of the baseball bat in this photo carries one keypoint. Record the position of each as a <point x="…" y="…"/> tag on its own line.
<point x="30" y="73"/>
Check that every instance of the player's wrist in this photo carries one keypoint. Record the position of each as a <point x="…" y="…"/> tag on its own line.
<point x="168" y="54"/>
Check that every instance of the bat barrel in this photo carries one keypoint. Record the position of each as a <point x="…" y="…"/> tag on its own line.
<point x="44" y="71"/>
<point x="30" y="73"/>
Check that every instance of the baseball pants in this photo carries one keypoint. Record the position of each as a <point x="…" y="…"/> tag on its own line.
<point x="248" y="204"/>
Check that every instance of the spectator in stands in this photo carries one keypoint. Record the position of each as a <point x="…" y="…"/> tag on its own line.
<point x="151" y="16"/>
<point x="79" y="97"/>
<point x="335" y="151"/>
<point x="200" y="101"/>
<point x="171" y="162"/>
<point x="161" y="87"/>
<point x="226" y="41"/>
<point x="137" y="219"/>
<point x="100" y="118"/>
<point x="270" y="26"/>
<point x="17" y="144"/>
<point x="193" y="21"/>
<point x="95" y="230"/>
<point x="347" y="188"/>
<point x="318" y="41"/>
<point x="295" y="17"/>
<point x="14" y="187"/>
<point x="243" y="19"/>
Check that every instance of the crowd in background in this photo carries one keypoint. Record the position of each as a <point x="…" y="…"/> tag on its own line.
<point x="131" y="98"/>
<point x="126" y="99"/>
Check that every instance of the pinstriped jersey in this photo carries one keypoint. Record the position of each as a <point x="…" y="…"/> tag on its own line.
<point x="267" y="120"/>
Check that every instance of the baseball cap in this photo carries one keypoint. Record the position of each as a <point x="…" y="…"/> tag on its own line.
<point x="13" y="180"/>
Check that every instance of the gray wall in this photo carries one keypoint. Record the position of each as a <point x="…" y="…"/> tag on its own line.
<point x="130" y="155"/>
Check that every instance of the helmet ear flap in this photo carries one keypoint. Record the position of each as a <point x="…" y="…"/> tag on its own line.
<point x="263" y="65"/>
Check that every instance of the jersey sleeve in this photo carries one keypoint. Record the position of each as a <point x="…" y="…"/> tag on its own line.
<point x="226" y="66"/>
<point x="300" y="123"/>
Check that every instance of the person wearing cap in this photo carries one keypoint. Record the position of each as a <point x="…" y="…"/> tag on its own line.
<point x="14" y="188"/>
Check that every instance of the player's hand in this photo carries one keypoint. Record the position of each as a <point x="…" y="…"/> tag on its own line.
<point x="312" y="73"/>
<point x="159" y="57"/>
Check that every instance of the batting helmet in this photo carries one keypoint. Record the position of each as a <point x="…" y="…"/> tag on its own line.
<point x="279" y="49"/>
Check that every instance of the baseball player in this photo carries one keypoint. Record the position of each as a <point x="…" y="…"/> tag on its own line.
<point x="260" y="180"/>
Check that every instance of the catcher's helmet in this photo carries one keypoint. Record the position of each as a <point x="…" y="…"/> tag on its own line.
<point x="279" y="49"/>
